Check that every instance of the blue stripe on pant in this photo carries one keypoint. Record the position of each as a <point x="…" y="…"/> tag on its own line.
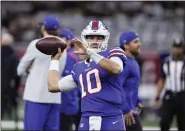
<point x="41" y="116"/>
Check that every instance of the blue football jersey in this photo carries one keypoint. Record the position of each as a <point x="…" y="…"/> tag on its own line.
<point x="131" y="78"/>
<point x="100" y="90"/>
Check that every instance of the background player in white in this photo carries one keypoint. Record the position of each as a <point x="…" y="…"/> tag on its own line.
<point x="42" y="107"/>
<point x="99" y="78"/>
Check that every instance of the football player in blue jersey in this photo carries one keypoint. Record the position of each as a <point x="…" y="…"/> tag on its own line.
<point x="130" y="43"/>
<point x="99" y="77"/>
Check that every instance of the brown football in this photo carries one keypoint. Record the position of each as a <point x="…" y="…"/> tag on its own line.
<point x="49" y="45"/>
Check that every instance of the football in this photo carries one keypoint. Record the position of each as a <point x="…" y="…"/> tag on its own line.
<point x="49" y="45"/>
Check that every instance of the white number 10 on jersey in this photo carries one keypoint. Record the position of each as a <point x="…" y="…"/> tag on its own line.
<point x="90" y="90"/>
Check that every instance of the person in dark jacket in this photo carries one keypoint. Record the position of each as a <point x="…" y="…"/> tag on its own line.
<point x="9" y="80"/>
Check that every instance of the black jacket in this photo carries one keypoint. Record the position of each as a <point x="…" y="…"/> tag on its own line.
<point x="9" y="63"/>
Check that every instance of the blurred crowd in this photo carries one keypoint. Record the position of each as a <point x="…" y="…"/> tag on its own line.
<point x="150" y="19"/>
<point x="10" y="81"/>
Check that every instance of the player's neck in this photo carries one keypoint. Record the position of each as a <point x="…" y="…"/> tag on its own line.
<point x="129" y="54"/>
<point x="45" y="34"/>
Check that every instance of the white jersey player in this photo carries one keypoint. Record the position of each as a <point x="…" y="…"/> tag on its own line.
<point x="41" y="107"/>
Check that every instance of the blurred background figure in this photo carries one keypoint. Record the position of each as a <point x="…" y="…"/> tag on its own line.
<point x="131" y="44"/>
<point x="41" y="111"/>
<point x="172" y="78"/>
<point x="70" y="107"/>
<point x="67" y="35"/>
<point x="10" y="80"/>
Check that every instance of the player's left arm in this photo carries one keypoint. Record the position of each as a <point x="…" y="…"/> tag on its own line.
<point x="113" y="64"/>
<point x="127" y="111"/>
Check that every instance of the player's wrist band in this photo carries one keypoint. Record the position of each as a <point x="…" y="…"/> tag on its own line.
<point x="54" y="65"/>
<point x="94" y="56"/>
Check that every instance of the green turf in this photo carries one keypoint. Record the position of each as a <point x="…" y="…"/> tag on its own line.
<point x="155" y="123"/>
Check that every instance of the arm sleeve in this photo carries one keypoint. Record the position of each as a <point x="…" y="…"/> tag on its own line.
<point x="118" y="61"/>
<point x="125" y="106"/>
<point x="117" y="52"/>
<point x="67" y="83"/>
<point x="27" y="59"/>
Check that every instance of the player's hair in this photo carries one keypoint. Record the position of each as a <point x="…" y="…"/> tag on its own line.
<point x="52" y="32"/>
<point x="49" y="31"/>
<point x="123" y="47"/>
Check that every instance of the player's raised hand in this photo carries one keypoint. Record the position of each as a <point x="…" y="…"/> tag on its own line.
<point x="58" y="55"/>
<point x="81" y="45"/>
